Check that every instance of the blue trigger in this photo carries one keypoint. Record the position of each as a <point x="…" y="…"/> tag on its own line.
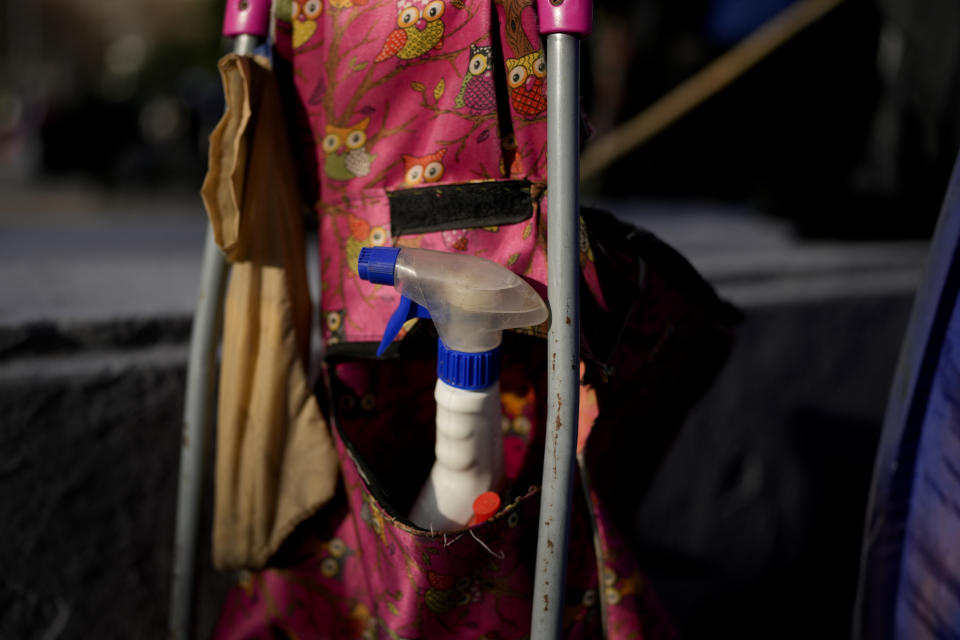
<point x="406" y="310"/>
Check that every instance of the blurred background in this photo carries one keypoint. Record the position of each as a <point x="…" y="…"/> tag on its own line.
<point x="117" y="94"/>
<point x="805" y="192"/>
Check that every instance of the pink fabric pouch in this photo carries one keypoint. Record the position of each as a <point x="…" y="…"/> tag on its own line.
<point x="359" y="569"/>
<point x="422" y="124"/>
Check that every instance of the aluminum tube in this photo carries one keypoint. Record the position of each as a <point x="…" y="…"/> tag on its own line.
<point x="245" y="44"/>
<point x="563" y="384"/>
<point x="197" y="433"/>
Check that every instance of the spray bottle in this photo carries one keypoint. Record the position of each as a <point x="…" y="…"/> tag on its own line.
<point x="471" y="301"/>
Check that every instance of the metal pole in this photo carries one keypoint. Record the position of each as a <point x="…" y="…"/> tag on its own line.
<point x="197" y="438"/>
<point x="245" y="44"/>
<point x="197" y="434"/>
<point x="563" y="384"/>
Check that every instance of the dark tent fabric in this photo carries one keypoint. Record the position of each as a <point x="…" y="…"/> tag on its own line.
<point x="910" y="572"/>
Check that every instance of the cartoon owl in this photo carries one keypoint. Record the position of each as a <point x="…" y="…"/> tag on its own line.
<point x="304" y="14"/>
<point x="361" y="235"/>
<point x="332" y="565"/>
<point x="447" y="592"/>
<point x="419" y="29"/>
<point x="352" y="407"/>
<point x="347" y="157"/>
<point x="419" y="169"/>
<point x="526" y="77"/>
<point x="334" y="323"/>
<point x="513" y="420"/>
<point x="477" y="91"/>
<point x="616" y="588"/>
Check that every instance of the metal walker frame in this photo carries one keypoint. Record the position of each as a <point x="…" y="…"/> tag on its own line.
<point x="564" y="22"/>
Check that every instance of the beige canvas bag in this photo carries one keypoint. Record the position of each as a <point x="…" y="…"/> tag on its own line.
<point x="275" y="461"/>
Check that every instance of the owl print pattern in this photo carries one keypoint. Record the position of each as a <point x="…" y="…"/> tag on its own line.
<point x="304" y="17"/>
<point x="345" y="151"/>
<point x="526" y="78"/>
<point x="419" y="29"/>
<point x="477" y="92"/>
<point x="420" y="169"/>
<point x="392" y="97"/>
<point x="405" y="95"/>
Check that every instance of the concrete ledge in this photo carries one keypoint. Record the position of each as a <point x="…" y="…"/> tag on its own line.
<point x="87" y="494"/>
<point x="39" y="338"/>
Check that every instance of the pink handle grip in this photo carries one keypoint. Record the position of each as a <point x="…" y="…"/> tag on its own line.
<point x="246" y="17"/>
<point x="565" y="16"/>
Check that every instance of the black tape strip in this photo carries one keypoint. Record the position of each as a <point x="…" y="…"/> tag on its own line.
<point x="459" y="206"/>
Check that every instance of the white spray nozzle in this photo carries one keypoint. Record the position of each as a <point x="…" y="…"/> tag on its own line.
<point x="471" y="300"/>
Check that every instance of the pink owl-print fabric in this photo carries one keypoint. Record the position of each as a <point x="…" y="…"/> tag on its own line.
<point x="360" y="571"/>
<point x="396" y="96"/>
<point x="403" y="94"/>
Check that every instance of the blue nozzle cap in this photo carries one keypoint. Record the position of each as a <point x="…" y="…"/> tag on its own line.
<point x="377" y="264"/>
<point x="467" y="370"/>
